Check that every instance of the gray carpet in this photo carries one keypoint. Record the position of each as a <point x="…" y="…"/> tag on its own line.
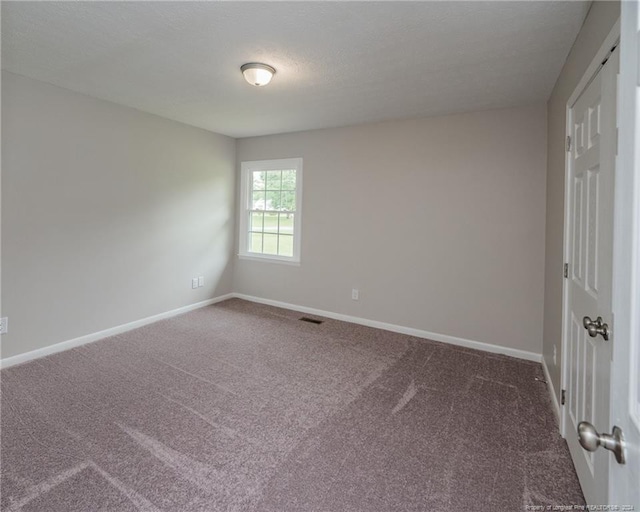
<point x="242" y="407"/>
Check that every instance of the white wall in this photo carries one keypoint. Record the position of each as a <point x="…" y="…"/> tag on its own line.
<point x="595" y="29"/>
<point x="107" y="213"/>
<point x="439" y="222"/>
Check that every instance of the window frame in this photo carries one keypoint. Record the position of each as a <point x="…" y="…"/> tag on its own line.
<point x="246" y="170"/>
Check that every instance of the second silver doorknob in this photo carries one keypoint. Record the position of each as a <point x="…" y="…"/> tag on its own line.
<point x="590" y="440"/>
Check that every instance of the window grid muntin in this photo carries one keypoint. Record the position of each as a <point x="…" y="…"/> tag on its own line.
<point x="265" y="185"/>
<point x="278" y="233"/>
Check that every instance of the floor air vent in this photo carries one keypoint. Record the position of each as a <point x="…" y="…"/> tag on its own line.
<point x="310" y="320"/>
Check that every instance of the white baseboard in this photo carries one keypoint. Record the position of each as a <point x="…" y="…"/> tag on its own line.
<point x="554" y="398"/>
<point x="478" y="345"/>
<point x="83" y="340"/>
<point x="444" y="338"/>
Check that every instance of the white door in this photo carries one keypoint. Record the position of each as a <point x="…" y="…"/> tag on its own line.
<point x="624" y="479"/>
<point x="592" y="119"/>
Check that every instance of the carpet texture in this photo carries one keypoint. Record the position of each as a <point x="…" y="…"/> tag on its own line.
<point x="242" y="407"/>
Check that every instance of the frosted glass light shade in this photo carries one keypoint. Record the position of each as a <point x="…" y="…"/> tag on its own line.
<point x="257" y="74"/>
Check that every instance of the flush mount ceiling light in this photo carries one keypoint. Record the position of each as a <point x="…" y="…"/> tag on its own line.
<point x="257" y="74"/>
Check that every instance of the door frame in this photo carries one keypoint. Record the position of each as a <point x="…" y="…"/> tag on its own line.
<point x="594" y="67"/>
<point x="626" y="276"/>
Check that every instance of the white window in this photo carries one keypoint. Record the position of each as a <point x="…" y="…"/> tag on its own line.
<point x="270" y="201"/>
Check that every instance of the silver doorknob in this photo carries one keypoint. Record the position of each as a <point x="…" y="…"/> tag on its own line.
<point x="590" y="440"/>
<point x="595" y="327"/>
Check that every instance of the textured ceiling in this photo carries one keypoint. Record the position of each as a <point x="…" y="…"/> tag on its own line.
<point x="338" y="63"/>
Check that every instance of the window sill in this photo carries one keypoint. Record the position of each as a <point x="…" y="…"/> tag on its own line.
<point x="269" y="259"/>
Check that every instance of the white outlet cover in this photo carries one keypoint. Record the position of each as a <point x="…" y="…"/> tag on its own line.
<point x="4" y="325"/>
<point x="194" y="282"/>
<point x="355" y="294"/>
<point x="201" y="281"/>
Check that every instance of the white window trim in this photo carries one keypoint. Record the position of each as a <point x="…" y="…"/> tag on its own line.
<point x="246" y="168"/>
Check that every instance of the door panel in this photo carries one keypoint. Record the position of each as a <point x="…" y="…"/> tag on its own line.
<point x="593" y="176"/>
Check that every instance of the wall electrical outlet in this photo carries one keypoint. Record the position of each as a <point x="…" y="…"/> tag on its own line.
<point x="201" y="281"/>
<point x="4" y="325"/>
<point x="355" y="294"/>
<point x="194" y="282"/>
